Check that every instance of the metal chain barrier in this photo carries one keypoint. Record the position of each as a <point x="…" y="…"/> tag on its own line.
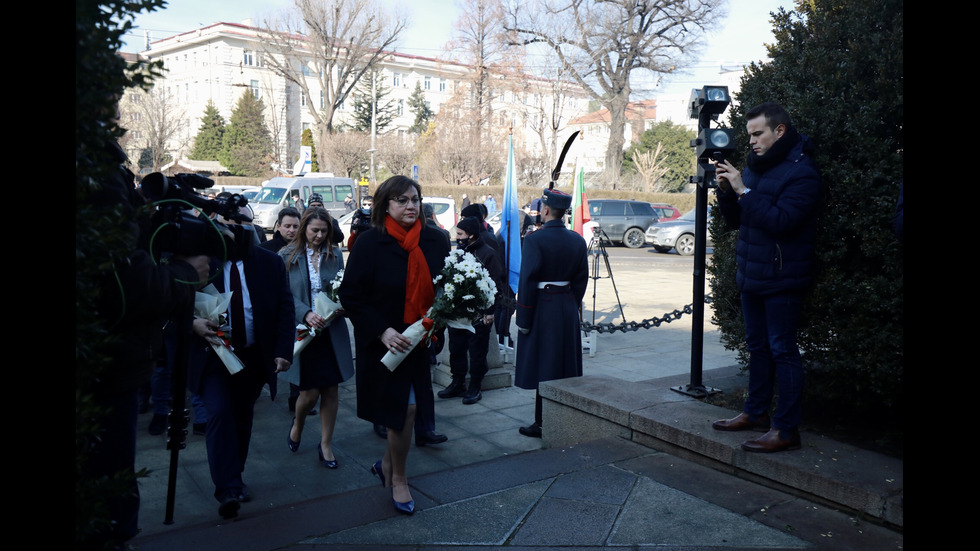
<point x="645" y="324"/>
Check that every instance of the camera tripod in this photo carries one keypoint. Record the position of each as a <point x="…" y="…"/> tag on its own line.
<point x="596" y="249"/>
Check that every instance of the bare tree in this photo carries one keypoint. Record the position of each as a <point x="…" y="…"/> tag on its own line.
<point x="480" y="40"/>
<point x="603" y="42"/>
<point x="347" y="152"/>
<point x="545" y="102"/>
<point x="325" y="47"/>
<point x="154" y="121"/>
<point x="460" y="157"/>
<point x="531" y="169"/>
<point x="278" y="123"/>
<point x="651" y="167"/>
<point x="397" y="153"/>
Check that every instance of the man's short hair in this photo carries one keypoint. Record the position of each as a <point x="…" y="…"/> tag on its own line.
<point x="774" y="113"/>
<point x="427" y="210"/>
<point x="288" y="211"/>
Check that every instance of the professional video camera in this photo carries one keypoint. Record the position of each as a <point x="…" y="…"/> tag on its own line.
<point x="361" y="221"/>
<point x="178" y="232"/>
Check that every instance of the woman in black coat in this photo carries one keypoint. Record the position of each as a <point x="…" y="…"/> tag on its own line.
<point x="388" y="286"/>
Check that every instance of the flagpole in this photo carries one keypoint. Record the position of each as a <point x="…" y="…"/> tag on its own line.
<point x="510" y="147"/>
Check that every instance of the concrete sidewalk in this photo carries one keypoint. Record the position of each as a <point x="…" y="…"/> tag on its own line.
<point x="616" y="470"/>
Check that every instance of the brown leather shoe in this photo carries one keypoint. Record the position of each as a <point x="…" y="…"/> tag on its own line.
<point x="771" y="442"/>
<point x="742" y="421"/>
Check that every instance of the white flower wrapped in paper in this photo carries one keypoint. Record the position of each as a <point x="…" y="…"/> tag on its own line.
<point x="464" y="289"/>
<point x="212" y="305"/>
<point x="326" y="304"/>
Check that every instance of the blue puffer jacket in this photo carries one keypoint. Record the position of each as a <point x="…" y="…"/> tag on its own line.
<point x="777" y="223"/>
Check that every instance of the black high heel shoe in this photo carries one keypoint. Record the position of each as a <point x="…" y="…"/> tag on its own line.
<point x="330" y="464"/>
<point x="293" y="446"/>
<point x="376" y="469"/>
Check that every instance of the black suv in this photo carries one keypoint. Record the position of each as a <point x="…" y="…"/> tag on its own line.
<point x="623" y="221"/>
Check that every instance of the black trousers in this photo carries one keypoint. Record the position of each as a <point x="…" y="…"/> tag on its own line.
<point x="468" y="351"/>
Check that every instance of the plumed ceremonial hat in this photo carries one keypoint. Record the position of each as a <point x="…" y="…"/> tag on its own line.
<point x="471" y="225"/>
<point x="557" y="199"/>
<point x="473" y="209"/>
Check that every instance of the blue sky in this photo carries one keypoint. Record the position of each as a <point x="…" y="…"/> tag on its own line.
<point x="739" y="39"/>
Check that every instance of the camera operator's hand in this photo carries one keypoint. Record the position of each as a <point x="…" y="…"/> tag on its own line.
<point x="200" y="263"/>
<point x="282" y="364"/>
<point x="729" y="179"/>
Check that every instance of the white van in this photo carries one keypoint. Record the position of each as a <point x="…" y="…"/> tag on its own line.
<point x="284" y="191"/>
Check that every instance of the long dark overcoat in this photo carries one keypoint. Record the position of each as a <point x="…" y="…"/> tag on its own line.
<point x="552" y="348"/>
<point x="373" y="295"/>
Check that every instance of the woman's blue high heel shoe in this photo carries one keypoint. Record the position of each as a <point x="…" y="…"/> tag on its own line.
<point x="330" y="464"/>
<point x="376" y="470"/>
<point x="406" y="508"/>
<point x="293" y="446"/>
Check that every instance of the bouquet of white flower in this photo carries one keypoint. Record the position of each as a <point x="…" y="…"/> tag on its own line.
<point x="327" y="305"/>
<point x="464" y="289"/>
<point x="212" y="305"/>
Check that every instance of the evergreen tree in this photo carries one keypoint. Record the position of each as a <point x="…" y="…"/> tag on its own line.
<point x="307" y="139"/>
<point x="210" y="136"/>
<point x="386" y="110"/>
<point x="418" y="105"/>
<point x="247" y="145"/>
<point x="102" y="237"/>
<point x="837" y="67"/>
<point x="676" y="142"/>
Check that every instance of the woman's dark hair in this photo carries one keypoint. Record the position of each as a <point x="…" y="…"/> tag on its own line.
<point x="300" y="242"/>
<point x="390" y="189"/>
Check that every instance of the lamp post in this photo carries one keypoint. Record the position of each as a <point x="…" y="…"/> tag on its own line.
<point x="374" y="119"/>
<point x="710" y="145"/>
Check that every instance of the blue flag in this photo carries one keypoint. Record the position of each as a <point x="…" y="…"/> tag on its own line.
<point x="510" y="222"/>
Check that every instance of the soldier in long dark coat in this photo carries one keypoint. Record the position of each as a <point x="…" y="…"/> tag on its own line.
<point x="554" y="276"/>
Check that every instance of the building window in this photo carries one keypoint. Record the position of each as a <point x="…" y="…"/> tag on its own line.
<point x="401" y="107"/>
<point x="396" y="79"/>
<point x="306" y="70"/>
<point x="322" y="99"/>
<point x="248" y="58"/>
<point x="302" y="98"/>
<point x="428" y="83"/>
<point x="442" y="85"/>
<point x="254" y="86"/>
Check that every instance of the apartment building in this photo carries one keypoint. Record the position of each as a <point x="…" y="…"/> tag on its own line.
<point x="219" y="62"/>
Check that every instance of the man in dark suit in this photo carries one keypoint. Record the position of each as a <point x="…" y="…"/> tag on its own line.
<point x="265" y="347"/>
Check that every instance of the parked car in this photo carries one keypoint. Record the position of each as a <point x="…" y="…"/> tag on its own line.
<point x="444" y="208"/>
<point x="445" y="211"/>
<point x="283" y="191"/>
<point x="344" y="222"/>
<point x="677" y="234"/>
<point x="665" y="211"/>
<point x="623" y="221"/>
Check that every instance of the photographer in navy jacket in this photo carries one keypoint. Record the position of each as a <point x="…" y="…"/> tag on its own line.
<point x="773" y="203"/>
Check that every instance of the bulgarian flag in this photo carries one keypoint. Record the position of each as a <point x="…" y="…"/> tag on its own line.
<point x="580" y="204"/>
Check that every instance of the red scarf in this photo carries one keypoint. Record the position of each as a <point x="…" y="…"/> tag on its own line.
<point x="419" y="293"/>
